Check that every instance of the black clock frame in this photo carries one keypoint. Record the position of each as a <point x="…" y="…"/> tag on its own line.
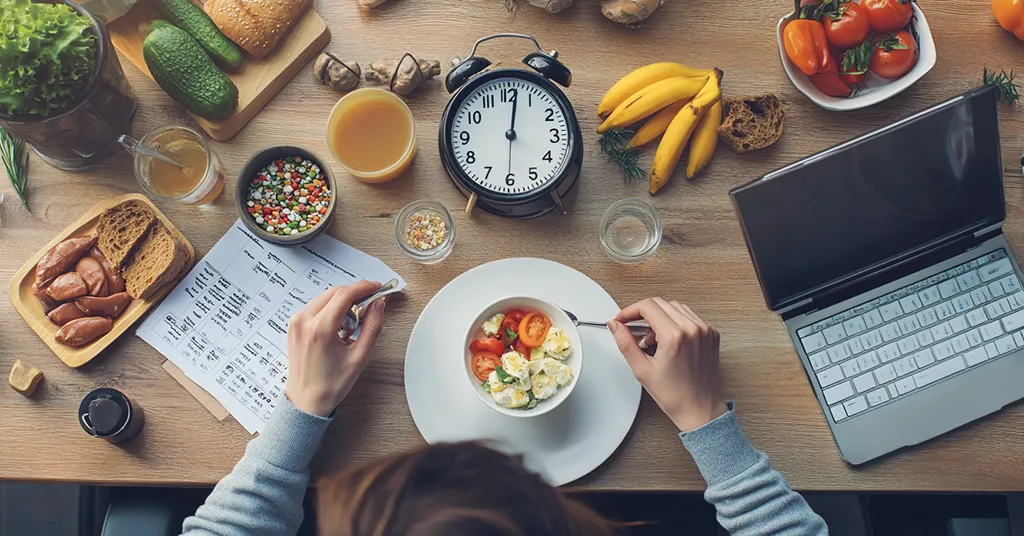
<point x="527" y="204"/>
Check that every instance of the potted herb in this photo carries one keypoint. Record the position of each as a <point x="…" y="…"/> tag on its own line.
<point x="61" y="85"/>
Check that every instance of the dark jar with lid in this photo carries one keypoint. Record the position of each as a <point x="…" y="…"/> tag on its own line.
<point x="109" y="414"/>
<point x="86" y="130"/>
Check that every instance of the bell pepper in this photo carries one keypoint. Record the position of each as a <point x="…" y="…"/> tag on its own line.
<point x="806" y="45"/>
<point x="829" y="81"/>
<point x="1010" y="14"/>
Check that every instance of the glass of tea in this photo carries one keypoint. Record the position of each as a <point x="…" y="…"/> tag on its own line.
<point x="174" y="162"/>
<point x="371" y="134"/>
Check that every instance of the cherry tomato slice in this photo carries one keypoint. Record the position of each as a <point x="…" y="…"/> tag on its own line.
<point x="512" y="319"/>
<point x="534" y="329"/>
<point x="488" y="345"/>
<point x="483" y="364"/>
<point x="521" y="348"/>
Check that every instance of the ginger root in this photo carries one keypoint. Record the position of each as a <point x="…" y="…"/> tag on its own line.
<point x="334" y="73"/>
<point x="551" y="6"/>
<point x="629" y="12"/>
<point x="404" y="76"/>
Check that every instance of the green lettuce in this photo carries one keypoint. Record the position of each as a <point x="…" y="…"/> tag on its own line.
<point x="47" y="56"/>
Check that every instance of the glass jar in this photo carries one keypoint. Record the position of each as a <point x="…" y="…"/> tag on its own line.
<point x="198" y="181"/>
<point x="87" y="130"/>
<point x="630" y="231"/>
<point x="425" y="231"/>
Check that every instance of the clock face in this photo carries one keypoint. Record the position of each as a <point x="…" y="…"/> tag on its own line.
<point x="510" y="136"/>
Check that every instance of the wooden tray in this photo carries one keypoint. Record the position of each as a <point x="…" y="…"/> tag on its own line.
<point x="257" y="80"/>
<point x="20" y="290"/>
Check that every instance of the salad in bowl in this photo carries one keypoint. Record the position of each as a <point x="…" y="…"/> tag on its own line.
<point x="523" y="356"/>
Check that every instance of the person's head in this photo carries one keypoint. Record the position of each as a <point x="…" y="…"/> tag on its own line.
<point x="461" y="489"/>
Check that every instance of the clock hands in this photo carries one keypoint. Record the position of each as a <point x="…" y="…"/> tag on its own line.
<point x="511" y="133"/>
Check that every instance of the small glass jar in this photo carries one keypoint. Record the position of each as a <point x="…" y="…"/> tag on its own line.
<point x="198" y="183"/>
<point x="425" y="231"/>
<point x="630" y="231"/>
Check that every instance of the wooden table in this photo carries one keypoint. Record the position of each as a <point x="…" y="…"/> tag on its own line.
<point x="702" y="259"/>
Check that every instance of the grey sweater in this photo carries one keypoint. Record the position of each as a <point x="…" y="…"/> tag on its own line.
<point x="263" y="494"/>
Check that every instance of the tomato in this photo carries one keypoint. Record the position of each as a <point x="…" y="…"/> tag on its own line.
<point x="483" y="364"/>
<point x="894" y="56"/>
<point x="846" y="25"/>
<point x="521" y="348"/>
<point x="488" y="345"/>
<point x="855" y="63"/>
<point x="888" y="15"/>
<point x="829" y="83"/>
<point x="512" y="319"/>
<point x="534" y="329"/>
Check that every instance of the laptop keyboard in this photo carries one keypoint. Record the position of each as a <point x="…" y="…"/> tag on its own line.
<point x="901" y="343"/>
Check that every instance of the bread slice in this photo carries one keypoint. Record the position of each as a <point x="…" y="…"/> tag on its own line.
<point x="752" y="122"/>
<point x="122" y="228"/>
<point x="255" y="25"/>
<point x="157" y="262"/>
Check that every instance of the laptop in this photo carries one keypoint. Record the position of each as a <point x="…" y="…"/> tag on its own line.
<point x="886" y="259"/>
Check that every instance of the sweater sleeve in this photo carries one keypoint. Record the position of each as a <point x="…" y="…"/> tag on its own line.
<point x="750" y="497"/>
<point x="263" y="493"/>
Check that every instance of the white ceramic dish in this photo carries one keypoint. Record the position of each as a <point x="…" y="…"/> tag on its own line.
<point x="558" y="320"/>
<point x="875" y="89"/>
<point x="562" y="445"/>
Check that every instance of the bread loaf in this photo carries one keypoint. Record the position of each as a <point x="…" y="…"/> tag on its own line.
<point x="121" y="228"/>
<point x="752" y="122"/>
<point x="255" y="25"/>
<point x="157" y="261"/>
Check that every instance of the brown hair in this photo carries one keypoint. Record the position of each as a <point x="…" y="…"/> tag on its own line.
<point x="459" y="489"/>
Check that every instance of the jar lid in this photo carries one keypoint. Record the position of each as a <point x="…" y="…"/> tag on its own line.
<point x="104" y="412"/>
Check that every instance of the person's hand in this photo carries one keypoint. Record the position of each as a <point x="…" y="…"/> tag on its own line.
<point x="682" y="376"/>
<point x="323" y="367"/>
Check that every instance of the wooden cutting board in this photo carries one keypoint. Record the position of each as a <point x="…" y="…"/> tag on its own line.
<point x="28" y="306"/>
<point x="257" y="80"/>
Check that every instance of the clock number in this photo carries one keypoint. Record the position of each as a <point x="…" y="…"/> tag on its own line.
<point x="475" y="117"/>
<point x="470" y="157"/>
<point x="533" y="173"/>
<point x="555" y="138"/>
<point x="464" y="136"/>
<point x="509" y="94"/>
<point x="510" y="179"/>
<point x="489" y="101"/>
<point x="488" y="168"/>
<point x="551" y="114"/>
<point x="546" y="157"/>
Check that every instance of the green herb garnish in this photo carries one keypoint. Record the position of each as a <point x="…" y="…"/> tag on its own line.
<point x="15" y="159"/>
<point x="533" y="400"/>
<point x="486" y="386"/>
<point x="510" y="334"/>
<point x="503" y="376"/>
<point x="614" y="144"/>
<point x="1004" y="82"/>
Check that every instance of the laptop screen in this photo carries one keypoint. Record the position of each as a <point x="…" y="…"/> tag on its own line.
<point x="882" y="195"/>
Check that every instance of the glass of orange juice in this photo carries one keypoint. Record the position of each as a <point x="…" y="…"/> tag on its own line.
<point x="372" y="134"/>
<point x="199" y="179"/>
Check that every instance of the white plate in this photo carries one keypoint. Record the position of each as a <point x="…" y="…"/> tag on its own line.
<point x="563" y="445"/>
<point x="874" y="89"/>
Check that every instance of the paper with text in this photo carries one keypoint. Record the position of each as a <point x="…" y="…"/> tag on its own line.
<point x="225" y="325"/>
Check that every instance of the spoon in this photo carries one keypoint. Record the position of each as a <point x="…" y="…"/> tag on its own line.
<point x="133" y="146"/>
<point x="354" y="317"/>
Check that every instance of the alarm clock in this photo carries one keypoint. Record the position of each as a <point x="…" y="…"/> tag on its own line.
<point x="509" y="138"/>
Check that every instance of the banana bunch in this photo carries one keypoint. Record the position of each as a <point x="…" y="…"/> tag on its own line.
<point x="681" y="104"/>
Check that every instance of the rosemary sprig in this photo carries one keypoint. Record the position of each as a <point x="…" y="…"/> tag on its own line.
<point x="614" y="146"/>
<point x="15" y="159"/>
<point x="1004" y="82"/>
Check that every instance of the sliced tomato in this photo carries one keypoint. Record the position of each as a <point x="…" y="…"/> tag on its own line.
<point x="512" y="319"/>
<point x="521" y="348"/>
<point x="534" y="329"/>
<point x="487" y="344"/>
<point x="483" y="364"/>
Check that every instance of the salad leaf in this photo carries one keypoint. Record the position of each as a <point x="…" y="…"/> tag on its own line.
<point x="486" y="386"/>
<point x="504" y="376"/>
<point x="533" y="400"/>
<point x="511" y="335"/>
<point x="47" y="55"/>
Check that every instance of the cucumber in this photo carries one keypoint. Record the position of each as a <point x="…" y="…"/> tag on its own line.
<point x="187" y="16"/>
<point x="186" y="73"/>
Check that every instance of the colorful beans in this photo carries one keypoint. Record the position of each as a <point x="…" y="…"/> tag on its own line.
<point x="289" y="196"/>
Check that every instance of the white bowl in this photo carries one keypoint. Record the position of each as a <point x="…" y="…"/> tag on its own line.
<point x="874" y="89"/>
<point x="558" y="320"/>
